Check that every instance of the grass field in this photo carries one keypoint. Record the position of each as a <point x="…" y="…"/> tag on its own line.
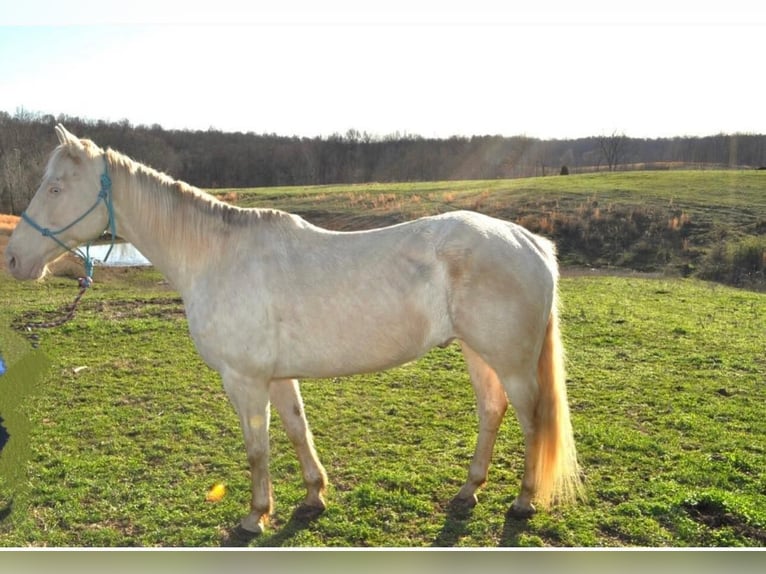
<point x="117" y="429"/>
<point x="127" y="430"/>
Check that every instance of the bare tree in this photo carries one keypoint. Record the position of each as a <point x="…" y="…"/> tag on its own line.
<point x="613" y="148"/>
<point x="216" y="159"/>
<point x="10" y="167"/>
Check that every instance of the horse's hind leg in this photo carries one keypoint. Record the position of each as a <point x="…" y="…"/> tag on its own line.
<point x="286" y="398"/>
<point x="491" y="406"/>
<point x="522" y="392"/>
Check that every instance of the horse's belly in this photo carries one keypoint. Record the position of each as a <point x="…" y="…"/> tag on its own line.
<point x="318" y="340"/>
<point x="328" y="361"/>
<point x="345" y="343"/>
<point x="329" y="322"/>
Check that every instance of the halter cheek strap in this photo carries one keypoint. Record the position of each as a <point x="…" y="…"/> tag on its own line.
<point x="105" y="195"/>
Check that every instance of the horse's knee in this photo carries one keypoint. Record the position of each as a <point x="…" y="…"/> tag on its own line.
<point x="491" y="414"/>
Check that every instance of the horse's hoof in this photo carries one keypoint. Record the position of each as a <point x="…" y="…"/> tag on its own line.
<point x="307" y="512"/>
<point x="250" y="526"/>
<point x="239" y="536"/>
<point x="521" y="512"/>
<point x="467" y="502"/>
<point x="462" y="506"/>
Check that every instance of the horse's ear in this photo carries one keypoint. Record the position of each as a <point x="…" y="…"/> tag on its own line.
<point x="65" y="137"/>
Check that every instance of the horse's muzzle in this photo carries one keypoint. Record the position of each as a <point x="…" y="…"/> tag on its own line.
<point x="20" y="271"/>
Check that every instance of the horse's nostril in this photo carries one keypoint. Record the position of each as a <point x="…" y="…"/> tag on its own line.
<point x="12" y="263"/>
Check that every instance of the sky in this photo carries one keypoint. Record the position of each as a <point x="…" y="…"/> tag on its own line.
<point x="547" y="69"/>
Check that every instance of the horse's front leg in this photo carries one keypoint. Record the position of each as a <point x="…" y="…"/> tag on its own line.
<point x="250" y="398"/>
<point x="286" y="398"/>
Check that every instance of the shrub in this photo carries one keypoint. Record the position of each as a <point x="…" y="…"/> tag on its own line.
<point x="739" y="262"/>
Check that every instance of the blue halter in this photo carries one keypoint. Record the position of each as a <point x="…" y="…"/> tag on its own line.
<point x="105" y="195"/>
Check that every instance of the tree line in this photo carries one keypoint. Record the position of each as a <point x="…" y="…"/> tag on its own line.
<point x="215" y="159"/>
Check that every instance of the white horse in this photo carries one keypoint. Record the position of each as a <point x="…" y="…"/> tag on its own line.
<point x="271" y="298"/>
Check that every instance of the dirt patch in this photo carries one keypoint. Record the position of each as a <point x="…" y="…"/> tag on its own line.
<point x="3" y="245"/>
<point x="169" y="308"/>
<point x="580" y="271"/>
<point x="7" y="223"/>
<point x="110" y="310"/>
<point x="714" y="515"/>
<point x="160" y="307"/>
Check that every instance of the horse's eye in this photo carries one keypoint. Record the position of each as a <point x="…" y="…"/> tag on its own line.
<point x="54" y="190"/>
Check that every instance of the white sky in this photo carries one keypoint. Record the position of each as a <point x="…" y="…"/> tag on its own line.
<point x="554" y="69"/>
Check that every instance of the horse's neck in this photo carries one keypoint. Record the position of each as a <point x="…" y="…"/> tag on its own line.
<point x="170" y="230"/>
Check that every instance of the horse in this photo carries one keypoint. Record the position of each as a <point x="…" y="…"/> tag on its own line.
<point x="271" y="298"/>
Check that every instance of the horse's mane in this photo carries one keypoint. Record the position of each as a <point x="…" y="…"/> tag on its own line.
<point x="172" y="207"/>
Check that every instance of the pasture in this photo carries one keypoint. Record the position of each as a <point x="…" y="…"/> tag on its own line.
<point x="128" y="430"/>
<point x="124" y="429"/>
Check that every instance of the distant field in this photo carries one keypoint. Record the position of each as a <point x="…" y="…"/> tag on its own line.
<point x="714" y="193"/>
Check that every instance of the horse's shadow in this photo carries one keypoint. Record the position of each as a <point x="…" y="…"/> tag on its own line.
<point x="6" y="512"/>
<point x="4" y="435"/>
<point x="237" y="537"/>
<point x="513" y="528"/>
<point x="456" y="527"/>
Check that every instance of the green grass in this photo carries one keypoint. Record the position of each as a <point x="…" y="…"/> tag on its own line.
<point x="666" y="383"/>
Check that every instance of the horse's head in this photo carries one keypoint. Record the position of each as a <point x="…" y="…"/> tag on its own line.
<point x="65" y="211"/>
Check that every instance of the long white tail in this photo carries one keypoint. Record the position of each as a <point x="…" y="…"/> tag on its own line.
<point x="558" y="473"/>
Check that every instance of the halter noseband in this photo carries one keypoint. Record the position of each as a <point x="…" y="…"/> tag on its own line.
<point x="105" y="195"/>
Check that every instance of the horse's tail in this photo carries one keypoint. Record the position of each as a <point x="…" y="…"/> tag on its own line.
<point x="557" y="471"/>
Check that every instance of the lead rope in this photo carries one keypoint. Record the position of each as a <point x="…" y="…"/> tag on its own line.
<point x="68" y="311"/>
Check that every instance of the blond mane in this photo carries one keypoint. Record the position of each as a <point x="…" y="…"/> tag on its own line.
<point x="197" y="218"/>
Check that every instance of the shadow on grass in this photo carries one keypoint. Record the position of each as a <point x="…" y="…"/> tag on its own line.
<point x="513" y="528"/>
<point x="238" y="537"/>
<point x="6" y="512"/>
<point x="456" y="527"/>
